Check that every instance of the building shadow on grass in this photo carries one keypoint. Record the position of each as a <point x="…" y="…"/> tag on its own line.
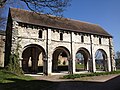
<point x="18" y="84"/>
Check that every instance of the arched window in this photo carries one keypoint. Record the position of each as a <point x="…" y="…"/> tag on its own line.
<point x="99" y="40"/>
<point x="61" y="36"/>
<point x="40" y="34"/>
<point x="82" y="39"/>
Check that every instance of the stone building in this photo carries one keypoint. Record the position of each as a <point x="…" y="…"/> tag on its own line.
<point x="51" y="44"/>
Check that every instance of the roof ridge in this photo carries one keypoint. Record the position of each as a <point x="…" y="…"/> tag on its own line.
<point x="49" y="15"/>
<point x="41" y="19"/>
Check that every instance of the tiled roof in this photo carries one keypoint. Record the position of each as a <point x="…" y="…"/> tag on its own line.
<point x="55" y="22"/>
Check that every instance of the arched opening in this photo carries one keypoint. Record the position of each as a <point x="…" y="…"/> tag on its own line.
<point x="81" y="62"/>
<point x="60" y="59"/>
<point x="33" y="59"/>
<point x="101" y="60"/>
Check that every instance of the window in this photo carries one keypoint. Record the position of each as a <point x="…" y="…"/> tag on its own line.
<point x="82" y="39"/>
<point x="99" y="40"/>
<point x="61" y="36"/>
<point x="40" y="34"/>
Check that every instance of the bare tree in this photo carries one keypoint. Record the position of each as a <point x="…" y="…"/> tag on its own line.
<point x="2" y="2"/>
<point x="2" y="22"/>
<point x="55" y="7"/>
<point x="2" y="19"/>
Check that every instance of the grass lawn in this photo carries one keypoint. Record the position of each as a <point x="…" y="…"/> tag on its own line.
<point x="79" y="66"/>
<point x="89" y="75"/>
<point x="10" y="81"/>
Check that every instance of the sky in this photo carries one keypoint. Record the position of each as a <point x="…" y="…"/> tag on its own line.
<point x="105" y="13"/>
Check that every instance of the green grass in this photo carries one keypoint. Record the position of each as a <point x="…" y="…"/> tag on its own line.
<point x="6" y="77"/>
<point x="89" y="75"/>
<point x="9" y="81"/>
<point x="79" y="66"/>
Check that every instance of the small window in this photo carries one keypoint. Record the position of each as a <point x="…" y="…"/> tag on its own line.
<point x="20" y="24"/>
<point x="82" y="39"/>
<point x="61" y="36"/>
<point x="40" y="34"/>
<point x="99" y="40"/>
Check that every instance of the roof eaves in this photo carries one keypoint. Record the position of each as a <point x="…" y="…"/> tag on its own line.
<point x="62" y="28"/>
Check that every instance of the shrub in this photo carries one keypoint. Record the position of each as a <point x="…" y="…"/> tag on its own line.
<point x="89" y="75"/>
<point x="14" y="65"/>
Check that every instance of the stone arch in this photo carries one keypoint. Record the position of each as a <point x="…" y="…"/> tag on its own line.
<point x="32" y="61"/>
<point x="82" y="59"/>
<point x="60" y="59"/>
<point x="101" y="60"/>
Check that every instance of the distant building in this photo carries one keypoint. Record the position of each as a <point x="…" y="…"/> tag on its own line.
<point x="44" y="39"/>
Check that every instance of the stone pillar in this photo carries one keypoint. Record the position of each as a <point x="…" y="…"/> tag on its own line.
<point x="112" y="55"/>
<point x="93" y="63"/>
<point x="72" y="57"/>
<point x="49" y="53"/>
<point x="34" y="65"/>
<point x="108" y="64"/>
<point x="87" y="68"/>
<point x="49" y="65"/>
<point x="89" y="65"/>
<point x="74" y="68"/>
<point x="92" y="58"/>
<point x="2" y="50"/>
<point x="70" y="66"/>
<point x="45" y="66"/>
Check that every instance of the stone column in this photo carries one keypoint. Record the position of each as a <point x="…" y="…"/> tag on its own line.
<point x="108" y="64"/>
<point x="87" y="68"/>
<point x="92" y="58"/>
<point x="2" y="48"/>
<point x="70" y="66"/>
<point x="72" y="57"/>
<point x="49" y="66"/>
<point x="93" y="63"/>
<point x="45" y="66"/>
<point x="112" y="55"/>
<point x="34" y="65"/>
<point x="49" y="52"/>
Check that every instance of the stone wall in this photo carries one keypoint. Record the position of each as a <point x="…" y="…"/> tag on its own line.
<point x="2" y="50"/>
<point x="27" y="35"/>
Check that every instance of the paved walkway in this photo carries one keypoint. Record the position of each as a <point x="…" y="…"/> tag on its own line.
<point x="56" y="78"/>
<point x="107" y="82"/>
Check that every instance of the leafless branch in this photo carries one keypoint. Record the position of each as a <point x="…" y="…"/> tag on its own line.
<point x="45" y="6"/>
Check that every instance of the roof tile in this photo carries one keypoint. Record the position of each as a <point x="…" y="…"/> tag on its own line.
<point x="55" y="22"/>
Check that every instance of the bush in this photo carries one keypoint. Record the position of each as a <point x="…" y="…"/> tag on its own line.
<point x="14" y="65"/>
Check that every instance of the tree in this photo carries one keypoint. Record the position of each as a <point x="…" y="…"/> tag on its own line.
<point x="117" y="55"/>
<point x="55" y="7"/>
<point x="2" y="2"/>
<point x="2" y="19"/>
<point x="117" y="59"/>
